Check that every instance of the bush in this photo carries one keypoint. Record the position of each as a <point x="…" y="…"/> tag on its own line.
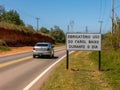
<point x="3" y="46"/>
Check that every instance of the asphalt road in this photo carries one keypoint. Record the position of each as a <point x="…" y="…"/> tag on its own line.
<point x="23" y="72"/>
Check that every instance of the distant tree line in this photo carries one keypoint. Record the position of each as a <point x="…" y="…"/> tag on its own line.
<point x="13" y="17"/>
<point x="55" y="32"/>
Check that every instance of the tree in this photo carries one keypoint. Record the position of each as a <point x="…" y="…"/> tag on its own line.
<point x="12" y="17"/>
<point x="116" y="33"/>
<point x="57" y="34"/>
<point x="2" y="10"/>
<point x="44" y="30"/>
<point x="30" y="26"/>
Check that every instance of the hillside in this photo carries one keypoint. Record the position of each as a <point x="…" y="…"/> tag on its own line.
<point x="20" y="36"/>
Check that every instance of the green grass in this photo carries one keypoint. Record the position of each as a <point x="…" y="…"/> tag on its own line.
<point x="59" y="44"/>
<point x="110" y="66"/>
<point x="3" y="46"/>
<point x="82" y="75"/>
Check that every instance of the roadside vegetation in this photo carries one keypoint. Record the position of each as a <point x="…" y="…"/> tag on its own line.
<point x="56" y="33"/>
<point x="82" y="75"/>
<point x="13" y="27"/>
<point x="110" y="60"/>
<point x="83" y="71"/>
<point x="3" y="46"/>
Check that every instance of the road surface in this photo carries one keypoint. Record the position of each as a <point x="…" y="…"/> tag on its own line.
<point x="23" y="72"/>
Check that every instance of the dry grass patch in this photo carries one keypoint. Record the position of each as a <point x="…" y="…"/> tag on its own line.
<point x="82" y="75"/>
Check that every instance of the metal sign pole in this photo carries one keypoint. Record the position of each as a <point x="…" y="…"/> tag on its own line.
<point x="67" y="60"/>
<point x="99" y="60"/>
<point x="67" y="53"/>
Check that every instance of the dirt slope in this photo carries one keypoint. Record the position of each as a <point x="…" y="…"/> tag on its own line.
<point x="21" y="38"/>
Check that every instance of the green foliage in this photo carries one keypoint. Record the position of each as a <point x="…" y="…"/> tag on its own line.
<point x="12" y="17"/>
<point x="57" y="34"/>
<point x="44" y="30"/>
<point x="107" y="41"/>
<point x="110" y="61"/>
<point x="30" y="27"/>
<point x="110" y="66"/>
<point x="2" y="9"/>
<point x="9" y="26"/>
<point x="116" y="34"/>
<point x="3" y="46"/>
<point x="81" y="75"/>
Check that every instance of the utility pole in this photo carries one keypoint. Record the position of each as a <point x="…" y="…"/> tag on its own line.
<point x="112" y="16"/>
<point x="68" y="28"/>
<point x="100" y="26"/>
<point x="37" y="23"/>
<point x="86" y="29"/>
<point x="72" y="25"/>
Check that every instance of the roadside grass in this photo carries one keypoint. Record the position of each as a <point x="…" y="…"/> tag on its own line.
<point x="82" y="75"/>
<point x="3" y="46"/>
<point x="59" y="44"/>
<point x="110" y="66"/>
<point x="9" y="26"/>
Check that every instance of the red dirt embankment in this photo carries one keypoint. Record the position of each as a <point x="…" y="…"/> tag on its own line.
<point x="20" y="38"/>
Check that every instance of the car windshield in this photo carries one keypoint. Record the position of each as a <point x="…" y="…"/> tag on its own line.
<point x="41" y="44"/>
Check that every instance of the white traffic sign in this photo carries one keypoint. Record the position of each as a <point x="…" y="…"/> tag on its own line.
<point x="82" y="41"/>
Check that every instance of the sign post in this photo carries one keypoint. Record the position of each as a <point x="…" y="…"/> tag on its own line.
<point x="99" y="60"/>
<point x="67" y="60"/>
<point x="83" y="41"/>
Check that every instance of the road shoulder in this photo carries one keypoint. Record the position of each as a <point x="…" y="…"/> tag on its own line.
<point x="14" y="50"/>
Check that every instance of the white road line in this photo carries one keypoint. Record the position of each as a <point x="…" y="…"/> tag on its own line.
<point x="43" y="73"/>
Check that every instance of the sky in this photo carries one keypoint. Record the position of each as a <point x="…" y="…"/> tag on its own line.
<point x="78" y="14"/>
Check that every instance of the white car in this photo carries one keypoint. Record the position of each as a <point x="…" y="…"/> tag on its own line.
<point x="43" y="49"/>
